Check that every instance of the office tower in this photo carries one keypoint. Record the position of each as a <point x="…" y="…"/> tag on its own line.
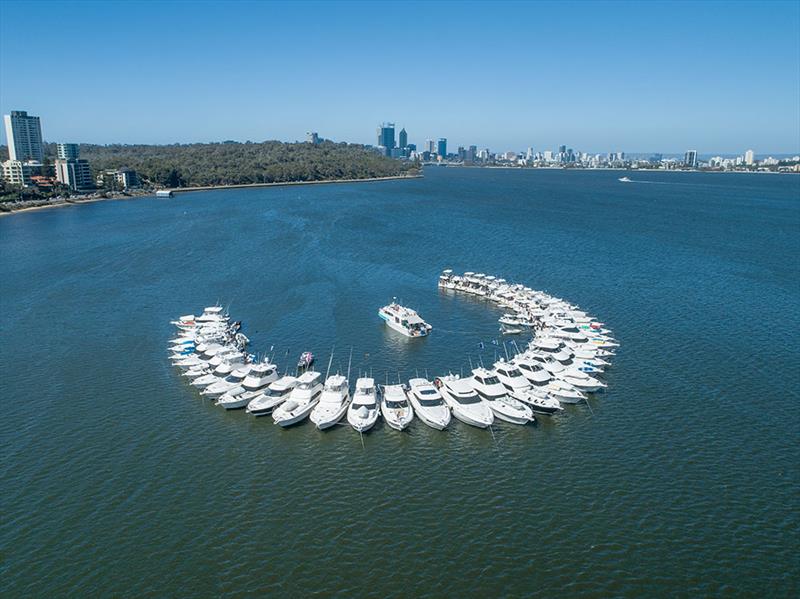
<point x="24" y="135"/>
<point x="441" y="147"/>
<point x="690" y="159"/>
<point x="312" y="137"/>
<point x="386" y="137"/>
<point x="430" y="146"/>
<point x="403" y="138"/>
<point x="68" y="151"/>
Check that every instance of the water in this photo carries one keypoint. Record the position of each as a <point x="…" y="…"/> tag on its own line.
<point x="118" y="479"/>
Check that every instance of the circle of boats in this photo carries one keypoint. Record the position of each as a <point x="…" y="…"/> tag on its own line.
<point x="564" y="361"/>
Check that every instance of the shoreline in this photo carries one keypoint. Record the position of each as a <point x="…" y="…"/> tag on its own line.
<point x="62" y="203"/>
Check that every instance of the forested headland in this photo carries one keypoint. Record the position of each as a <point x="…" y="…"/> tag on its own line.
<point x="233" y="163"/>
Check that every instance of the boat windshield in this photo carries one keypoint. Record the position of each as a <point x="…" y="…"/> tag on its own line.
<point x="468" y="399"/>
<point x="365" y="390"/>
<point x="427" y="391"/>
<point x="338" y="387"/>
<point x="397" y="405"/>
<point x="359" y="405"/>
<point x="491" y="380"/>
<point x="270" y="392"/>
<point x="430" y="403"/>
<point x="510" y="373"/>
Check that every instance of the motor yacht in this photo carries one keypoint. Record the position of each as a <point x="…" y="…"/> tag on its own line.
<point x="404" y="320"/>
<point x="266" y="401"/>
<point x="582" y="381"/>
<point x="564" y="392"/>
<point x="333" y="402"/>
<point x="362" y="414"/>
<point x="395" y="408"/>
<point x="465" y="403"/>
<point x="234" y="379"/>
<point x="428" y="403"/>
<point x="302" y="400"/>
<point x="217" y="374"/>
<point x="260" y="375"/>
<point x="532" y="370"/>
<point x="491" y="390"/>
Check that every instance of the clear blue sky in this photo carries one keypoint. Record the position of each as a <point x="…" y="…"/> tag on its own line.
<point x="636" y="77"/>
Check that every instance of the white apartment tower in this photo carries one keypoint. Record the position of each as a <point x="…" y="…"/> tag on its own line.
<point x="68" y="151"/>
<point x="24" y="135"/>
<point x="749" y="157"/>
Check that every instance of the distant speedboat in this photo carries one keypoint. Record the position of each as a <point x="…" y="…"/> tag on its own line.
<point x="624" y="180"/>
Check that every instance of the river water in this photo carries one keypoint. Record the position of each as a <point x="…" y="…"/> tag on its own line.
<point x="118" y="479"/>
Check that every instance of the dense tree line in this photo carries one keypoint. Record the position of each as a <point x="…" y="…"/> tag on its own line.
<point x="231" y="163"/>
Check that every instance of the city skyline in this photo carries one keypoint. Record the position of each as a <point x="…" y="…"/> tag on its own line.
<point x="718" y="79"/>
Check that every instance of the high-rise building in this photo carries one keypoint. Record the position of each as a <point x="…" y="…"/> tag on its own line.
<point x="386" y="137"/>
<point x="403" y="138"/>
<point x="690" y="158"/>
<point x="441" y="147"/>
<point x="24" y="135"/>
<point x="749" y="157"/>
<point x="312" y="137"/>
<point x="472" y="153"/>
<point x="68" y="151"/>
<point x="430" y="146"/>
<point x="74" y="173"/>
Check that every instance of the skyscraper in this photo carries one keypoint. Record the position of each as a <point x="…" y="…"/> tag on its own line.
<point x="68" y="151"/>
<point x="312" y="137"/>
<point x="24" y="135"/>
<point x="386" y="137"/>
<point x="430" y="146"/>
<point x="690" y="159"/>
<point x="441" y="147"/>
<point x="403" y="138"/>
<point x="749" y="157"/>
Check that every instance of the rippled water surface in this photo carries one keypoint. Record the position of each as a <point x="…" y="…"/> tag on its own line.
<point x="117" y="479"/>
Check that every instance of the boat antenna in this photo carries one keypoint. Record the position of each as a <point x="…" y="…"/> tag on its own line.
<point x="350" y="361"/>
<point x="330" y="361"/>
<point x="505" y="348"/>
<point x="481" y="359"/>
<point x="426" y="374"/>
<point x="470" y="362"/>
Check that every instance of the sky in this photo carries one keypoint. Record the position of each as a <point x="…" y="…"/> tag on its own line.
<point x="718" y="77"/>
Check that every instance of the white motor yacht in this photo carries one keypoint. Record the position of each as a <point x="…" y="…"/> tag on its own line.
<point x="404" y="320"/>
<point x="582" y="381"/>
<point x="395" y="408"/>
<point x="260" y="375"/>
<point x="532" y="370"/>
<point x="266" y="401"/>
<point x="362" y="414"/>
<point x="302" y="400"/>
<point x="564" y="392"/>
<point x="491" y="390"/>
<point x="217" y="374"/>
<point x="234" y="379"/>
<point x="333" y="402"/>
<point x="428" y="403"/>
<point x="465" y="403"/>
